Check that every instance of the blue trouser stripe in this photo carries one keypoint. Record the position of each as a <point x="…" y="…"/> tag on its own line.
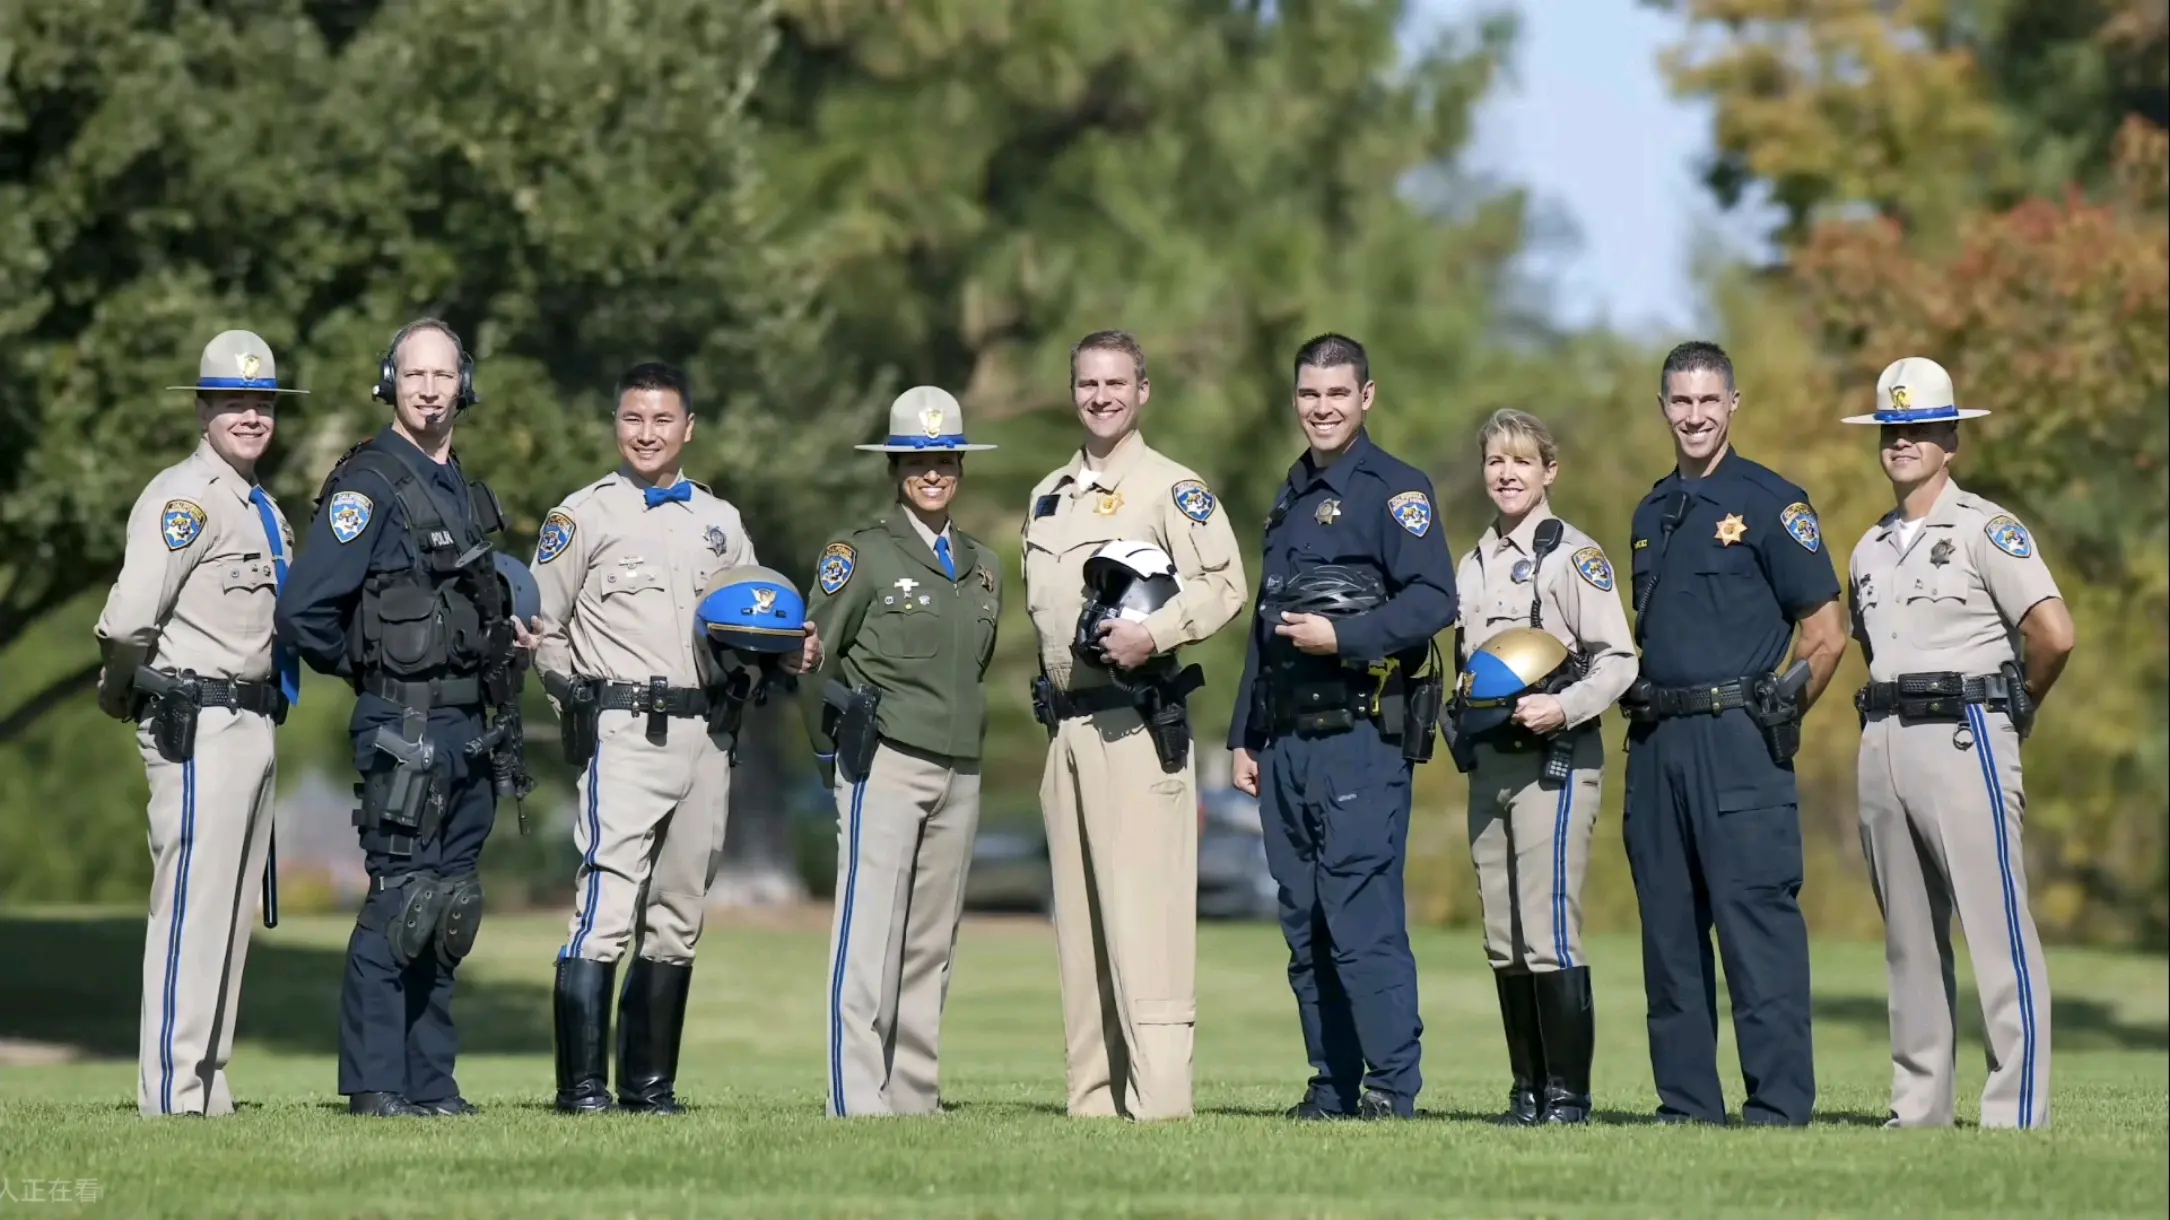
<point x="843" y="953"/>
<point x="171" y="998"/>
<point x="1559" y="874"/>
<point x="587" y="859"/>
<point x="1980" y="724"/>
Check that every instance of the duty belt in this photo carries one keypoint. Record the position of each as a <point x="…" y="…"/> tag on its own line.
<point x="1517" y="740"/>
<point x="1329" y="705"/>
<point x="1670" y="701"/>
<point x="437" y="692"/>
<point x="1088" y="701"/>
<point x="242" y="695"/>
<point x="651" y="698"/>
<point x="1942" y="695"/>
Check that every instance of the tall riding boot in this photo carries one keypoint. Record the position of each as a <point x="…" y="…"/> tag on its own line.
<point x="581" y="1002"/>
<point x="651" y="1021"/>
<point x="1568" y="1025"/>
<point x="1525" y="1053"/>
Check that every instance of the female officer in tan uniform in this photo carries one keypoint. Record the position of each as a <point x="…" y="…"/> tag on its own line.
<point x="1529" y="832"/>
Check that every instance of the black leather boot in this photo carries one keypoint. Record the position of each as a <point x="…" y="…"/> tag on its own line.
<point x="581" y="1001"/>
<point x="651" y="1020"/>
<point x="1568" y="1026"/>
<point x="1525" y="1050"/>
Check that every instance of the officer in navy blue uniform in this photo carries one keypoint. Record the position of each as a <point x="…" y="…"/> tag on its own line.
<point x="1341" y="693"/>
<point x="1728" y="561"/>
<point x="403" y="603"/>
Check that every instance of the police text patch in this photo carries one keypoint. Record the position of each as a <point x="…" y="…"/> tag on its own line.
<point x="557" y="534"/>
<point x="349" y="515"/>
<point x="837" y="564"/>
<point x="180" y="523"/>
<point x="2009" y="536"/>
<point x="1800" y="521"/>
<point x="1192" y="498"/>
<point x="1590" y="562"/>
<point x="1412" y="510"/>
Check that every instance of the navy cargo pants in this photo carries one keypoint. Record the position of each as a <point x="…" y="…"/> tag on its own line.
<point x="1335" y="810"/>
<point x="1713" y="835"/>
<point x="395" y="1024"/>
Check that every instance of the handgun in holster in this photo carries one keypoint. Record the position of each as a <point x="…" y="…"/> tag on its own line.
<point x="848" y="718"/>
<point x="577" y="697"/>
<point x="727" y="700"/>
<point x="1424" y="699"/>
<point x="407" y="798"/>
<point x="1043" y="703"/>
<point x="2018" y="704"/>
<point x="1160" y="703"/>
<point x="175" y="702"/>
<point x="1774" y="703"/>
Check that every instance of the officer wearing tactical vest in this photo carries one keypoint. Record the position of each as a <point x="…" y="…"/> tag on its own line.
<point x="909" y="603"/>
<point x="1940" y="587"/>
<point x="188" y="657"/>
<point x="1341" y="695"/>
<point x="651" y="724"/>
<point x="398" y="591"/>
<point x="1119" y="793"/>
<point x="1544" y="648"/>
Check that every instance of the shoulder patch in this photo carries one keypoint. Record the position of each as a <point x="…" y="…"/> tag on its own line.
<point x="349" y="515"/>
<point x="837" y="564"/>
<point x="180" y="523"/>
<point x="1193" y="500"/>
<point x="1412" y="510"/>
<point x="1800" y="521"/>
<point x="557" y="534"/>
<point x="2008" y="535"/>
<point x="1591" y="564"/>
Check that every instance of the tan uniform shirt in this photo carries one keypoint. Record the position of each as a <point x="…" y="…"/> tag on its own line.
<point x="197" y="582"/>
<point x="1142" y="496"/>
<point x="1579" y="607"/>
<point x="1952" y="598"/>
<point x="620" y="580"/>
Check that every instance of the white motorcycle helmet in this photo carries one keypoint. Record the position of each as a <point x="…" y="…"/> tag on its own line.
<point x="1126" y="581"/>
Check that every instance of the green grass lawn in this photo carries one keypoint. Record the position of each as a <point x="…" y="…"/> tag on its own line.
<point x="757" y="1144"/>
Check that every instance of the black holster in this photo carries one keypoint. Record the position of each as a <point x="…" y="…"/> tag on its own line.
<point x="1423" y="702"/>
<point x="1167" y="717"/>
<point x="578" y="715"/>
<point x="175" y="704"/>
<point x="1777" y="716"/>
<point x="849" y="718"/>
<point x="2018" y="704"/>
<point x="1043" y="704"/>
<point x="727" y="701"/>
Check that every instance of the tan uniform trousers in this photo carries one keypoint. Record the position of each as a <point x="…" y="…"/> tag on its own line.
<point x="649" y="827"/>
<point x="1531" y="845"/>
<point x="1122" y="841"/>
<point x="210" y="826"/>
<point x="1941" y="809"/>
<point x="903" y="848"/>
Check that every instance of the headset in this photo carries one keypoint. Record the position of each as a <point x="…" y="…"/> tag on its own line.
<point x="388" y="371"/>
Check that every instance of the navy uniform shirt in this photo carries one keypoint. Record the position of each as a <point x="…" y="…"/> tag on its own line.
<point x="1370" y="509"/>
<point x="1738" y="558"/>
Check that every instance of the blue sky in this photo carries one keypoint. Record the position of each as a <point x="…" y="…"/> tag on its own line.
<point x="1585" y="122"/>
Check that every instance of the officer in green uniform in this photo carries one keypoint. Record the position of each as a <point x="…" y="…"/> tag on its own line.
<point x="908" y="605"/>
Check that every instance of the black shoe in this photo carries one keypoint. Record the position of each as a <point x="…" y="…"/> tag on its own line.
<point x="1310" y="1111"/>
<point x="651" y="1021"/>
<point x="385" y="1105"/>
<point x="1375" y="1106"/>
<point x="450" y="1105"/>
<point x="1525" y="1049"/>
<point x="1567" y="1025"/>
<point x="581" y="1002"/>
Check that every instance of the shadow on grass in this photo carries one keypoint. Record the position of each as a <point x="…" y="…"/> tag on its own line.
<point x="78" y="983"/>
<point x="2076" y="1023"/>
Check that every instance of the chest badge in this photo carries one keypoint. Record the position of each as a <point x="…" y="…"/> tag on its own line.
<point x="907" y="584"/>
<point x="1732" y="529"/>
<point x="987" y="579"/>
<point x="1327" y="512"/>
<point x="715" y="540"/>
<point x="1521" y="571"/>
<point x="1109" y="502"/>
<point x="1940" y="554"/>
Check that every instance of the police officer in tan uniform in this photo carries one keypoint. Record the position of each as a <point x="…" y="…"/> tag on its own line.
<point x="1535" y="775"/>
<point x="1122" y="824"/>
<point x="622" y="565"/>
<point x="1964" y="633"/>
<point x="908" y="605"/>
<point x="186" y="637"/>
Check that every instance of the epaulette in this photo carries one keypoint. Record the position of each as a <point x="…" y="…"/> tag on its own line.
<point x="324" y="488"/>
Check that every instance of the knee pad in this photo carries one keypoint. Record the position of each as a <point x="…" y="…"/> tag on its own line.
<point x="459" y="917"/>
<point x="421" y="905"/>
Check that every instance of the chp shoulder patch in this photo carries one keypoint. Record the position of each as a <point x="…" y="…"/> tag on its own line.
<point x="180" y="523"/>
<point x="1590" y="562"/>
<point x="1800" y="521"/>
<point x="837" y="564"/>
<point x="557" y="534"/>
<point x="1194" y="501"/>
<point x="1412" y="510"/>
<point x="349" y="515"/>
<point x="2008" y="535"/>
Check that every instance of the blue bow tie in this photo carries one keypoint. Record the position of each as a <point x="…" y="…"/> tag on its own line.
<point x="681" y="491"/>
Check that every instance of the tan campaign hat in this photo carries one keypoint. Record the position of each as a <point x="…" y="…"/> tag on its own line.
<point x="237" y="360"/>
<point x="1914" y="390"/>
<point x="924" y="418"/>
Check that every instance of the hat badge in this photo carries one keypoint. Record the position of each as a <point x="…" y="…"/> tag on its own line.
<point x="249" y="362"/>
<point x="764" y="600"/>
<point x="1899" y="397"/>
<point x="930" y="420"/>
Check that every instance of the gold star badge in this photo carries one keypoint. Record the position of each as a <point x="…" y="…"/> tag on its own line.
<point x="1327" y="512"/>
<point x="1732" y="529"/>
<point x="1109" y="502"/>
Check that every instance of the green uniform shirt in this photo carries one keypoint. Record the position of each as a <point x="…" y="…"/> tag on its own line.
<point x="891" y="618"/>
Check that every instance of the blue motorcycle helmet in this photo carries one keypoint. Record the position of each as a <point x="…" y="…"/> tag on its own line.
<point x="752" y="609"/>
<point x="1516" y="662"/>
<point x="522" y="594"/>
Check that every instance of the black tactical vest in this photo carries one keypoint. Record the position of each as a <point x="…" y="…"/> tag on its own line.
<point x="436" y="618"/>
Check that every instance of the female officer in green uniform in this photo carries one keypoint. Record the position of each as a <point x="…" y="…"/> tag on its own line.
<point x="908" y="604"/>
